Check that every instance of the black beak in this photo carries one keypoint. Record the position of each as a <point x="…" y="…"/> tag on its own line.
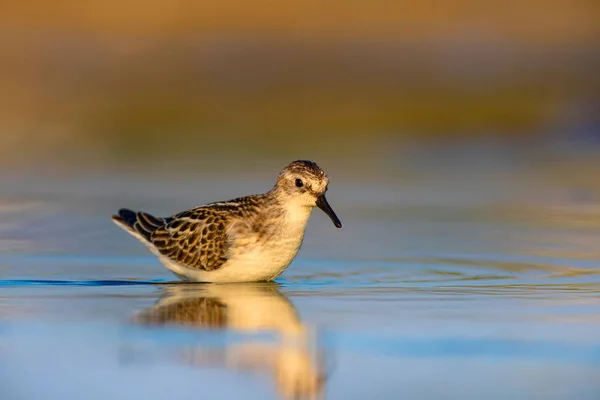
<point x="324" y="205"/>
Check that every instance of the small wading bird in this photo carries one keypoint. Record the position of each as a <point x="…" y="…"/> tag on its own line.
<point x="248" y="239"/>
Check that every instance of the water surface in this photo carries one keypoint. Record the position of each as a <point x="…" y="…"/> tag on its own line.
<point x="445" y="286"/>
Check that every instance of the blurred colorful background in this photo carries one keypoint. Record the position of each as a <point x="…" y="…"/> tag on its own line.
<point x="91" y="82"/>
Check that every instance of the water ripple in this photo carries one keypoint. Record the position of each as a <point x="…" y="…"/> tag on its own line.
<point x="47" y="282"/>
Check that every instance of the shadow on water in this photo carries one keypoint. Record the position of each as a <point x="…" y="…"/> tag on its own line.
<point x="294" y="359"/>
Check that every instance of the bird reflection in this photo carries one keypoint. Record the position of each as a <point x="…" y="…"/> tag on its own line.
<point x="295" y="362"/>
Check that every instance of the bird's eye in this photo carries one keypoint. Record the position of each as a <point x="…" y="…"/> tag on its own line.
<point x="299" y="183"/>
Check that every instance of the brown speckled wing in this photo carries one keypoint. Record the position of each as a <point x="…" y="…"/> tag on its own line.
<point x="195" y="239"/>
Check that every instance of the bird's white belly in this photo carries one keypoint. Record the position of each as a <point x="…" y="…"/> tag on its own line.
<point x="264" y="262"/>
<point x="260" y="262"/>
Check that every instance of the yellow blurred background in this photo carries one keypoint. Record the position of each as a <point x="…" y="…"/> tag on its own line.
<point x="105" y="81"/>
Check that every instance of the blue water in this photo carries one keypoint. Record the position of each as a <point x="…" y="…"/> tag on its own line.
<point x="435" y="288"/>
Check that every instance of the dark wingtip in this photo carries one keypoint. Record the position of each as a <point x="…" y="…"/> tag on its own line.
<point x="121" y="222"/>
<point x="125" y="216"/>
<point x="126" y="213"/>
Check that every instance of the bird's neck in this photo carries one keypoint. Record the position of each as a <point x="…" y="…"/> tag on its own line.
<point x="295" y="213"/>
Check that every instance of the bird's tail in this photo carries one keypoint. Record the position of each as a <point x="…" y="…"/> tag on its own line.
<point x="138" y="223"/>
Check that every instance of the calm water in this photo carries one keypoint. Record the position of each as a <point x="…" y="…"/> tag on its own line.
<point x="461" y="285"/>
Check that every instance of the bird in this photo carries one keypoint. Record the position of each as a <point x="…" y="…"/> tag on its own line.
<point x="246" y="239"/>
